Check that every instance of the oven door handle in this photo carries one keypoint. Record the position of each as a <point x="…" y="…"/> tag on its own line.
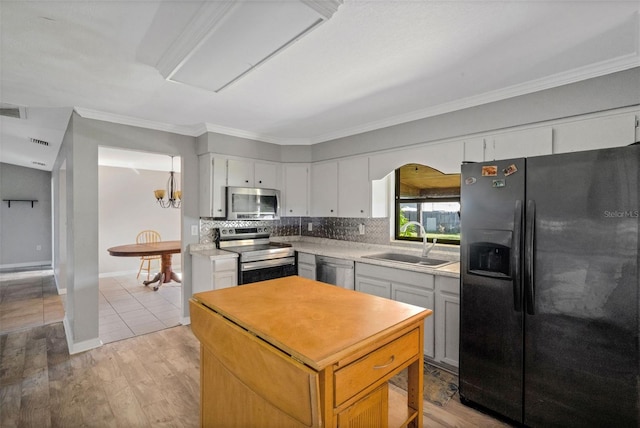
<point x="284" y="261"/>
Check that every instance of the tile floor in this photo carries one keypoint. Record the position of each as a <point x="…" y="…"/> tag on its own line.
<point x="128" y="308"/>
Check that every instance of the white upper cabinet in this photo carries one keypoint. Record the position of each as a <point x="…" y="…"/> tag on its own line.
<point x="341" y="188"/>
<point x="266" y="175"/>
<point x="324" y="189"/>
<point x="295" y="190"/>
<point x="354" y="188"/>
<point x="519" y="144"/>
<point x="381" y="191"/>
<point x="249" y="173"/>
<point x="212" y="172"/>
<point x="474" y="149"/>
<point x="595" y="133"/>
<point x="240" y="173"/>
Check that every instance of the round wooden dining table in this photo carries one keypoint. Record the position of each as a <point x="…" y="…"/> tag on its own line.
<point x="163" y="248"/>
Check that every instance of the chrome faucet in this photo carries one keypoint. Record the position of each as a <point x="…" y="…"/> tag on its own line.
<point x="425" y="250"/>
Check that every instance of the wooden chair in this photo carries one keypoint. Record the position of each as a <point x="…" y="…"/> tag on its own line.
<point x="144" y="237"/>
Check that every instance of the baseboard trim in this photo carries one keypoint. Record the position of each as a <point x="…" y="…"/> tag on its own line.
<point x="44" y="264"/>
<point x="77" y="347"/>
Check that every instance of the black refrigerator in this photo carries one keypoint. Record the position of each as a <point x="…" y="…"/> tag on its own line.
<point x="549" y="288"/>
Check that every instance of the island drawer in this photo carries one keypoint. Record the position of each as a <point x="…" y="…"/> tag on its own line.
<point x="358" y="375"/>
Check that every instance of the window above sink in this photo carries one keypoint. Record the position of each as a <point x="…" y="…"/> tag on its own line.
<point x="426" y="195"/>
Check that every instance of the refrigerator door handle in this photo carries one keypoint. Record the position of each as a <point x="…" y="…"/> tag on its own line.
<point x="529" y="256"/>
<point x="516" y="261"/>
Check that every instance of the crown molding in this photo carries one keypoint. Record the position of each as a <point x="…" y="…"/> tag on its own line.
<point x="189" y="130"/>
<point x="209" y="127"/>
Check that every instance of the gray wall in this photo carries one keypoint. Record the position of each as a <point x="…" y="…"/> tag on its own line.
<point x="80" y="154"/>
<point x="212" y="142"/>
<point x="608" y="92"/>
<point x="603" y="93"/>
<point x="25" y="232"/>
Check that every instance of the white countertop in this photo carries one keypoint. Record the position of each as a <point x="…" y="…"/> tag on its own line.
<point x="356" y="252"/>
<point x="350" y="251"/>
<point x="210" y="251"/>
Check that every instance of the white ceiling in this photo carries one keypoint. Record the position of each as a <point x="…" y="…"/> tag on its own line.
<point x="372" y="64"/>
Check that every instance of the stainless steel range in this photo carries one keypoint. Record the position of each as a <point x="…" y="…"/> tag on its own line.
<point x="258" y="258"/>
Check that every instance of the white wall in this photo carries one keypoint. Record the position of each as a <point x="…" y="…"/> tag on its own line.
<point x="126" y="207"/>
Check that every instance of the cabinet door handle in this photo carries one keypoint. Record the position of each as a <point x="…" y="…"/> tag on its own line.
<point x="393" y="357"/>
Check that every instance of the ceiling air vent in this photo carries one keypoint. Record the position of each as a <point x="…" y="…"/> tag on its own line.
<point x="39" y="163"/>
<point x="41" y="142"/>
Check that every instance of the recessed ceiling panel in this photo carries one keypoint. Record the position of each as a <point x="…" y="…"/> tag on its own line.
<point x="250" y="33"/>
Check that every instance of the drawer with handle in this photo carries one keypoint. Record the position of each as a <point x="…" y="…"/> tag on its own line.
<point x="356" y="376"/>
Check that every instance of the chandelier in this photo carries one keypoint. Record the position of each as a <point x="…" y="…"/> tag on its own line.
<point x="174" y="194"/>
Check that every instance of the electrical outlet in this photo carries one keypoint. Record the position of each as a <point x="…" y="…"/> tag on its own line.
<point x="361" y="229"/>
<point x="310" y="227"/>
<point x="194" y="230"/>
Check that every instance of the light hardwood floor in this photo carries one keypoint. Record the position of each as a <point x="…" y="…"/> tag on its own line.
<point x="144" y="381"/>
<point x="149" y="380"/>
<point x="28" y="299"/>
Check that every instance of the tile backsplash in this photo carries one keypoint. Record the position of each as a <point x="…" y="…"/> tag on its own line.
<point x="375" y="230"/>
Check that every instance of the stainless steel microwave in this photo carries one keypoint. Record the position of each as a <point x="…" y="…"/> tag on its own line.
<point x="252" y="203"/>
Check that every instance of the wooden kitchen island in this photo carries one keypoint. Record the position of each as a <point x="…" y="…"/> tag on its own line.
<point x="292" y="352"/>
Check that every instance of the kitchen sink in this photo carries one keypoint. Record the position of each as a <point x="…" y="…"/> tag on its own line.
<point x="408" y="258"/>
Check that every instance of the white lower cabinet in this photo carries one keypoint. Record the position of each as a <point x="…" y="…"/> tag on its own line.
<point x="213" y="274"/>
<point x="373" y="286"/>
<point x="447" y="317"/>
<point x="405" y="286"/>
<point x="418" y="297"/>
<point x="307" y="265"/>
<point x="438" y="293"/>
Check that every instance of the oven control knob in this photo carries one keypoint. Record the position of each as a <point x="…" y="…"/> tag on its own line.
<point x="224" y="231"/>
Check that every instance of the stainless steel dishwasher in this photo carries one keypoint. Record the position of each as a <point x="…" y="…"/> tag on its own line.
<point x="335" y="271"/>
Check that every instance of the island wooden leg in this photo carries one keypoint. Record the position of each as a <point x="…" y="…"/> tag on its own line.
<point x="415" y="384"/>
